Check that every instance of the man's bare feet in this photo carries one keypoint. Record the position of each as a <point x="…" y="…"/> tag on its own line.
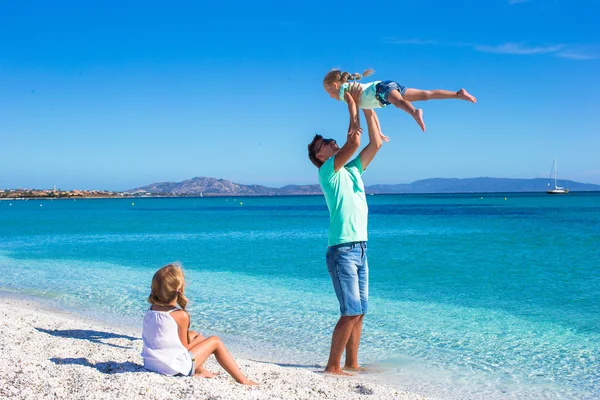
<point x="206" y="374"/>
<point x="464" y="95"/>
<point x="336" y="371"/>
<point x="418" y="116"/>
<point x="356" y="369"/>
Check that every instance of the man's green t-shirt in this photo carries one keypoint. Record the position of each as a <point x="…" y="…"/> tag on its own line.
<point x="345" y="196"/>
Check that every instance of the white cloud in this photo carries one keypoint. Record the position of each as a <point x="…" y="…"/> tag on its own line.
<point x="580" y="52"/>
<point x="518" y="48"/>
<point x="573" y="52"/>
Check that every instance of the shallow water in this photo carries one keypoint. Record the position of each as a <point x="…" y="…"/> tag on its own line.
<point x="471" y="297"/>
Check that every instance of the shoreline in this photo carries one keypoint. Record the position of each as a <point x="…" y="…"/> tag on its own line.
<point x="49" y="352"/>
<point x="242" y="195"/>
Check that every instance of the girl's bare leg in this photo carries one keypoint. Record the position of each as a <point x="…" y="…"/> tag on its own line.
<point x="214" y="345"/>
<point x="200" y="371"/>
<point x="399" y="101"/>
<point x="438" y="94"/>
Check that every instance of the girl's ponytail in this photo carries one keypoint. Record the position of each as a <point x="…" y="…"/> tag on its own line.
<point x="356" y="76"/>
<point x="181" y="300"/>
<point x="368" y="72"/>
<point x="337" y="76"/>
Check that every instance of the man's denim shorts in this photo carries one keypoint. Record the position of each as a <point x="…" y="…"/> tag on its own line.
<point x="383" y="89"/>
<point x="349" y="271"/>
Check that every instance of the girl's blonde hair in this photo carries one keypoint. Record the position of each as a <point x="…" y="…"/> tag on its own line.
<point x="167" y="285"/>
<point x="337" y="76"/>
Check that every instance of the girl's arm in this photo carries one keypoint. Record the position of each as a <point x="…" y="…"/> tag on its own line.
<point x="192" y="334"/>
<point x="376" y="118"/>
<point x="183" y="323"/>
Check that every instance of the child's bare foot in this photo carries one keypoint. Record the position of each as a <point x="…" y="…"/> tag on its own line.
<point x="206" y="374"/>
<point x="418" y="116"/>
<point x="385" y="138"/>
<point x="248" y="382"/>
<point x="464" y="95"/>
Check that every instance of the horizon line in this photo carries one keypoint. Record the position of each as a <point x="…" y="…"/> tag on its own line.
<point x="290" y="184"/>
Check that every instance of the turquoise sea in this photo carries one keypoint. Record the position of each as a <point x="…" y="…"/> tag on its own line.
<point x="472" y="296"/>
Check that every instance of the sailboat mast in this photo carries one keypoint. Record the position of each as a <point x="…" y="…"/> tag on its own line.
<point x="555" y="172"/>
<point x="557" y="189"/>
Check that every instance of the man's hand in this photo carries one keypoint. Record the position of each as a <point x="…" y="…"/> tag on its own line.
<point x="355" y="91"/>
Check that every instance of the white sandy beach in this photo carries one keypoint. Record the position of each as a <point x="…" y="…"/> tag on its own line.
<point x="51" y="354"/>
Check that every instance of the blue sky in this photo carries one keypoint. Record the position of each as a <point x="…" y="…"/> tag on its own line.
<point x="115" y="95"/>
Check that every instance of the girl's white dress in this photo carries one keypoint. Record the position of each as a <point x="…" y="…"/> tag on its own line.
<point x="163" y="352"/>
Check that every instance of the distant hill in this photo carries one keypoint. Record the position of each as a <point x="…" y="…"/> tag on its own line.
<point x="300" y="189"/>
<point x="209" y="186"/>
<point x="222" y="187"/>
<point x="478" y="185"/>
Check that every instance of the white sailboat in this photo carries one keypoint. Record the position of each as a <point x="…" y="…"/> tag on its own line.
<point x="557" y="189"/>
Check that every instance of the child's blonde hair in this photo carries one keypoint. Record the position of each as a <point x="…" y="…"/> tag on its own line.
<point x="337" y="76"/>
<point x="167" y="285"/>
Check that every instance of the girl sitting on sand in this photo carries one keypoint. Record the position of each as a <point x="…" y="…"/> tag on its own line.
<point x="379" y="94"/>
<point x="170" y="348"/>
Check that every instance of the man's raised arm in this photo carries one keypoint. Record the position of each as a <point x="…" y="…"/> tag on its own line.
<point x="353" y="140"/>
<point x="367" y="154"/>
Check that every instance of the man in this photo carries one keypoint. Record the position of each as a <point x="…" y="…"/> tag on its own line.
<point x="347" y="245"/>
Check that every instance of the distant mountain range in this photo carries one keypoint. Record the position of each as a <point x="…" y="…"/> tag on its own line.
<point x="222" y="187"/>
